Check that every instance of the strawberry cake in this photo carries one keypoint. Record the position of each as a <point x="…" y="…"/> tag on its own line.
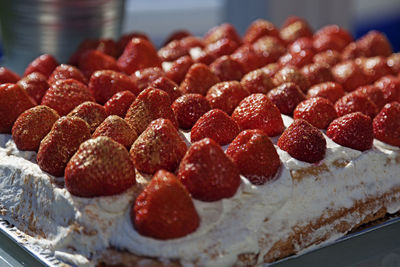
<point x="214" y="151"/>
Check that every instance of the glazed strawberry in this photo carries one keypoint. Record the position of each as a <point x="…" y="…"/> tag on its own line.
<point x="329" y="57"/>
<point x="375" y="44"/>
<point x="190" y="42"/>
<point x="269" y="48"/>
<point x="354" y="102"/>
<point x="61" y="143"/>
<point x="198" y="79"/>
<point x="303" y="142"/>
<point x="32" y="126"/>
<point x="291" y="74"/>
<point x="13" y="101"/>
<point x="373" y="67"/>
<point x="373" y="93"/>
<point x="217" y="125"/>
<point x="353" y="130"/>
<point x="105" y="83"/>
<point x="8" y="76"/>
<point x="390" y="87"/>
<point x="220" y="48"/>
<point x="295" y="30"/>
<point x="91" y="112"/>
<point x="249" y="58"/>
<point x="207" y="173"/>
<point x="168" y="86"/>
<point x="303" y="43"/>
<point x="125" y="38"/>
<point x="335" y="31"/>
<point x="386" y="124"/>
<point x="117" y="129"/>
<point x="94" y="60"/>
<point x="64" y="95"/>
<point x="317" y="73"/>
<point x="226" y="95"/>
<point x="258" y="29"/>
<point x="177" y="35"/>
<point x="286" y="97"/>
<point x="258" y="112"/>
<point x="178" y="69"/>
<point x="257" y="81"/>
<point x="349" y="75"/>
<point x="149" y="105"/>
<point x="172" y="51"/>
<point x="159" y="147"/>
<point x="119" y="103"/>
<point x="100" y="167"/>
<point x="329" y="90"/>
<point x="255" y="156"/>
<point x="35" y="84"/>
<point x="297" y="59"/>
<point x="164" y="209"/>
<point x="138" y="54"/>
<point x="318" y="111"/>
<point x="271" y="69"/>
<point x="329" y="42"/>
<point x="64" y="72"/>
<point x="227" y="69"/>
<point x="45" y="64"/>
<point x="393" y="61"/>
<point x="189" y="108"/>
<point x="222" y="31"/>
<point x="144" y="77"/>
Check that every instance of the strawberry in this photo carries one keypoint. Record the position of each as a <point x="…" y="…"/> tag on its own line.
<point x="168" y="86"/>
<point x="349" y="75"/>
<point x="303" y="142"/>
<point x="64" y="72"/>
<point x="159" y="147"/>
<point x="303" y="43"/>
<point x="119" y="103"/>
<point x="177" y="35"/>
<point x="257" y="81"/>
<point x="117" y="129"/>
<point x="207" y="173"/>
<point x="125" y="38"/>
<point x="44" y="64"/>
<point x="144" y="77"/>
<point x="105" y="83"/>
<point x="374" y="67"/>
<point x="32" y="126"/>
<point x="255" y="156"/>
<point x="336" y="31"/>
<point x="258" y="112"/>
<point x="13" y="101"/>
<point x="100" y="167"/>
<point x="390" y="87"/>
<point x="149" y="105"/>
<point x="354" y="102"/>
<point x="329" y="90"/>
<point x="329" y="57"/>
<point x="164" y="209"/>
<point x="291" y="74"/>
<point x="198" y="79"/>
<point x="138" y="54"/>
<point x="373" y="93"/>
<point x="84" y="46"/>
<point x="35" y="84"/>
<point x="189" y="108"/>
<point x="317" y="73"/>
<point x="286" y="97"/>
<point x="393" y="61"/>
<point x="8" y="76"/>
<point x="329" y="42"/>
<point x="295" y="30"/>
<point x="91" y="112"/>
<point x="226" y="95"/>
<point x="220" y="48"/>
<point x="269" y="49"/>
<point x="178" y="69"/>
<point x="222" y="31"/>
<point x="297" y="59"/>
<point x="172" y="51"/>
<point x="108" y="47"/>
<point x="64" y="95"/>
<point x="190" y="42"/>
<point x="353" y="130"/>
<point x="250" y="58"/>
<point x="58" y="146"/>
<point x="217" y="125"/>
<point x="271" y="69"/>
<point x="318" y="111"/>
<point x="94" y="60"/>
<point x="227" y="69"/>
<point x="386" y="124"/>
<point x="258" y="29"/>
<point x="375" y="44"/>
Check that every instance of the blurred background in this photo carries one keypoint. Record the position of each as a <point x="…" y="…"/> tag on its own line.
<point x="26" y="33"/>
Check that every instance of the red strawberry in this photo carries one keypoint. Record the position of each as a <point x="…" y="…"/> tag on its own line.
<point x="258" y="29"/>
<point x="329" y="90"/>
<point x="149" y="105"/>
<point x="390" y="87"/>
<point x="291" y="74"/>
<point x="226" y="95"/>
<point x="168" y="86"/>
<point x="303" y="43"/>
<point x="269" y="48"/>
<point x="91" y="112"/>
<point x="119" y="103"/>
<point x="349" y="75"/>
<point x="159" y="147"/>
<point x="190" y="42"/>
<point x="84" y="46"/>
<point x="65" y="95"/>
<point x="222" y="31"/>
<point x="105" y="83"/>
<point x="303" y="142"/>
<point x="144" y="77"/>
<point x="227" y="69"/>
<point x="138" y="54"/>
<point x="164" y="209"/>
<point x="207" y="173"/>
<point x="125" y="38"/>
<point x="94" y="60"/>
<point x="255" y="156"/>
<point x="8" y="76"/>
<point x="117" y="129"/>
<point x="329" y="57"/>
<point x="393" y="61"/>
<point x="45" y="64"/>
<point x="250" y="58"/>
<point x="32" y="126"/>
<point x="178" y="69"/>
<point x="374" y="67"/>
<point x="317" y="73"/>
<point x="373" y="93"/>
<point x="297" y="59"/>
<point x="13" y="101"/>
<point x="100" y="167"/>
<point x="295" y="30"/>
<point x="386" y="124"/>
<point x="220" y="48"/>
<point x="286" y="97"/>
<point x="258" y="112"/>
<point x="257" y="81"/>
<point x="336" y="31"/>
<point x="375" y="44"/>
<point x="109" y="47"/>
<point x="35" y="84"/>
<point x="189" y="108"/>
<point x="329" y="42"/>
<point x="64" y="72"/>
<point x="177" y="35"/>
<point x="198" y="79"/>
<point x="354" y="102"/>
<point x="271" y="69"/>
<point x="318" y="111"/>
<point x="172" y="51"/>
<point x="353" y="130"/>
<point x="61" y="143"/>
<point x="353" y="51"/>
